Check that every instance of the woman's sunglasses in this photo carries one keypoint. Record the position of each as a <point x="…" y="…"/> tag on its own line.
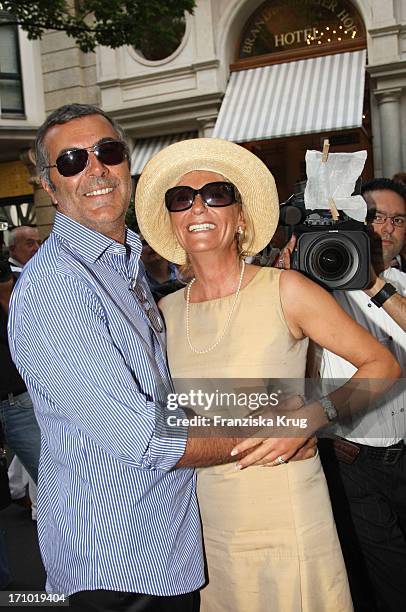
<point x="73" y="161"/>
<point x="213" y="194"/>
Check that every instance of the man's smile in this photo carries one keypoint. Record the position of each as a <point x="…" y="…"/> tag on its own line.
<point x="98" y="192"/>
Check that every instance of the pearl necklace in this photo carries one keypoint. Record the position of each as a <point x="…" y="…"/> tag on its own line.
<point x="225" y="328"/>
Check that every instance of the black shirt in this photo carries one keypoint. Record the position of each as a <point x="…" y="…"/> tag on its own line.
<point x="10" y="380"/>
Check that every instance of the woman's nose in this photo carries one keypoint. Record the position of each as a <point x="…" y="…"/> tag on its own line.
<point x="198" y="205"/>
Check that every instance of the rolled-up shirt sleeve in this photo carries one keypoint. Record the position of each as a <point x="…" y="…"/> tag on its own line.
<point x="62" y="345"/>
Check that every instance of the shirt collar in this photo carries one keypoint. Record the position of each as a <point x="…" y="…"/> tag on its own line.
<point x="15" y="263"/>
<point x="88" y="243"/>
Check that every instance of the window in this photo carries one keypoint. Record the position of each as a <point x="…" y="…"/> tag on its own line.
<point x="11" y="94"/>
<point x="171" y="32"/>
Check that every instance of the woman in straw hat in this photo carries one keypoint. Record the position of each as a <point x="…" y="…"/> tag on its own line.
<point x="270" y="539"/>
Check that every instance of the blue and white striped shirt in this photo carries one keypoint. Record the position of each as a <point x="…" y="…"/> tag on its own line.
<point x="112" y="513"/>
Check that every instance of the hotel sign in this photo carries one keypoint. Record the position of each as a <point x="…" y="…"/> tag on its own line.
<point x="283" y="25"/>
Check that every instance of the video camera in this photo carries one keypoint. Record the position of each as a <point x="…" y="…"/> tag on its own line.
<point x="333" y="253"/>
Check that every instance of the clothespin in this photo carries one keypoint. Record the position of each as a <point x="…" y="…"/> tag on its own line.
<point x="326" y="148"/>
<point x="324" y="158"/>
<point x="333" y="209"/>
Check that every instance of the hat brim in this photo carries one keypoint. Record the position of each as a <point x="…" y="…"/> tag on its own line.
<point x="246" y="171"/>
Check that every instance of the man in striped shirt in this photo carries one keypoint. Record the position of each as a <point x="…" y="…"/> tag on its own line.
<point x="117" y="525"/>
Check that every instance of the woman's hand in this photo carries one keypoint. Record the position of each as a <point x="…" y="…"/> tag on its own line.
<point x="267" y="451"/>
<point x="307" y="451"/>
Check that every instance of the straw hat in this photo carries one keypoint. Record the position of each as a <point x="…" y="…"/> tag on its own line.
<point x="246" y="171"/>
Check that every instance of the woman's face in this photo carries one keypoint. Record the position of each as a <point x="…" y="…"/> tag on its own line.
<point x="203" y="228"/>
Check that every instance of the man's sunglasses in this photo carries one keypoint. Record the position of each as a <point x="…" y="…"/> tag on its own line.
<point x="213" y="194"/>
<point x="73" y="161"/>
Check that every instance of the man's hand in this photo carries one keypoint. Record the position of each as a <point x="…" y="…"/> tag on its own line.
<point x="283" y="261"/>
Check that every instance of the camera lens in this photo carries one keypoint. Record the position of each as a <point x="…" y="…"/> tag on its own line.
<point x="335" y="259"/>
<point x="332" y="261"/>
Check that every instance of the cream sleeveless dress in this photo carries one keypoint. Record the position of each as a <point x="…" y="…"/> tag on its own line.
<point x="269" y="534"/>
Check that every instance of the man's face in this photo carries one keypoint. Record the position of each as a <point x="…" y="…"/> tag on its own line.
<point x="387" y="239"/>
<point x="27" y="243"/>
<point x="148" y="255"/>
<point x="79" y="196"/>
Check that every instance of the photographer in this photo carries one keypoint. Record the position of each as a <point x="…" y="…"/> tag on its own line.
<point x="365" y="461"/>
<point x="162" y="276"/>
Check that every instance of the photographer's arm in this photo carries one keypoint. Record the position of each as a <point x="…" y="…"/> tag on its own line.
<point x="395" y="305"/>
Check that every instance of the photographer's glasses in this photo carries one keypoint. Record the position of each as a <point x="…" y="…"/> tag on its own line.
<point x="380" y="218"/>
<point x="73" y="161"/>
<point x="216" y="194"/>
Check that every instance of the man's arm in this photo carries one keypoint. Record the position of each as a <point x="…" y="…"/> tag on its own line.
<point x="64" y="349"/>
<point x="217" y="451"/>
<point x="61" y="342"/>
<point x="395" y="305"/>
<point x="214" y="445"/>
<point x="204" y="452"/>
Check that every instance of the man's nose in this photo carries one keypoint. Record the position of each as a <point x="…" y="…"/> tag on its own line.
<point x="94" y="166"/>
<point x="388" y="226"/>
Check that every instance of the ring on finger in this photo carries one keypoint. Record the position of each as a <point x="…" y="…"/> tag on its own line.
<point x="279" y="460"/>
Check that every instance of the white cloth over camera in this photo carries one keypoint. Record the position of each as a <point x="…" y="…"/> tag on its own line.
<point x="335" y="180"/>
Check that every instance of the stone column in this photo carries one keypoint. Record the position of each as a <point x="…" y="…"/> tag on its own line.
<point x="389" y="119"/>
<point x="44" y="209"/>
<point x="206" y="126"/>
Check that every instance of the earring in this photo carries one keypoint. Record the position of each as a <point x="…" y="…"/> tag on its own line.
<point x="240" y="236"/>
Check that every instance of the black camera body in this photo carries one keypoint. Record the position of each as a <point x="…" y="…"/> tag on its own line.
<point x="333" y="253"/>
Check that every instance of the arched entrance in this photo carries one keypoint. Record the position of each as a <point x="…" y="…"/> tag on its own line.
<point x="298" y="76"/>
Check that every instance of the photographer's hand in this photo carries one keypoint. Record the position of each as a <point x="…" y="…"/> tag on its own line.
<point x="283" y="261"/>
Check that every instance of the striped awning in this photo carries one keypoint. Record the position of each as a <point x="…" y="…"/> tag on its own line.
<point x="146" y="148"/>
<point x="312" y="95"/>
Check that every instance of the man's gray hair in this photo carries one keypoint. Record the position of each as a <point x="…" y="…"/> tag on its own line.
<point x="14" y="233"/>
<point x="61" y="115"/>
